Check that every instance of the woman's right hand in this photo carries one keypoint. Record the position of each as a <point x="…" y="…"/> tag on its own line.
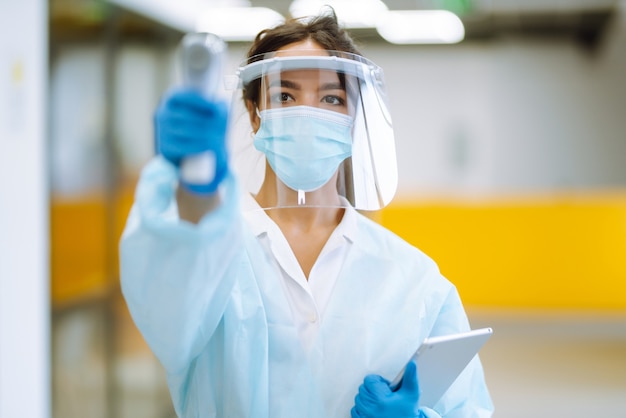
<point x="187" y="124"/>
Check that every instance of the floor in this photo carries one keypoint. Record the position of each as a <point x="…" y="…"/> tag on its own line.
<point x="543" y="364"/>
<point x="537" y="364"/>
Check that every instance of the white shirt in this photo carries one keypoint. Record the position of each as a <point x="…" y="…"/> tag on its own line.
<point x="307" y="298"/>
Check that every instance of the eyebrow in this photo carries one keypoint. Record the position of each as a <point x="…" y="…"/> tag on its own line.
<point x="296" y="86"/>
<point x="331" y="86"/>
<point x="285" y="83"/>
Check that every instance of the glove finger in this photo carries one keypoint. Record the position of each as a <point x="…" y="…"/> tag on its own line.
<point x="189" y="101"/>
<point x="183" y="136"/>
<point x="376" y="385"/>
<point x="354" y="413"/>
<point x="185" y="132"/>
<point x="191" y="120"/>
<point x="366" y="404"/>
<point x="183" y="98"/>
<point x="410" y="384"/>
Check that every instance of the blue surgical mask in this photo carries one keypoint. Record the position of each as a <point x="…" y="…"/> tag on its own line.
<point x="304" y="145"/>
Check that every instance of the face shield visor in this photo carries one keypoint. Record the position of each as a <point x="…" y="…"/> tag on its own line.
<point x="319" y="133"/>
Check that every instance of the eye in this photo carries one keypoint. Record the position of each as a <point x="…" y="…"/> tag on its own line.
<point x="281" y="98"/>
<point x="334" y="100"/>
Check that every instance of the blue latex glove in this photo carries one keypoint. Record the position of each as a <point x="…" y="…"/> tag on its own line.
<point x="186" y="124"/>
<point x="376" y="399"/>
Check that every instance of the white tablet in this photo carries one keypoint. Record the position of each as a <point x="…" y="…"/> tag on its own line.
<point x="440" y="360"/>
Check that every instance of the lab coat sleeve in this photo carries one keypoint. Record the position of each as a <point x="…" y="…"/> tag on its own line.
<point x="468" y="397"/>
<point x="177" y="277"/>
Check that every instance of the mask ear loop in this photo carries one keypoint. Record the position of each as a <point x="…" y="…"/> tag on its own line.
<point x="258" y="114"/>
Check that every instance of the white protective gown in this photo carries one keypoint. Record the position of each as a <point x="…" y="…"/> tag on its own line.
<point x="208" y="301"/>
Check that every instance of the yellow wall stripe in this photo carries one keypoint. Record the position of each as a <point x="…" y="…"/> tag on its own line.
<point x="532" y="252"/>
<point x="557" y="252"/>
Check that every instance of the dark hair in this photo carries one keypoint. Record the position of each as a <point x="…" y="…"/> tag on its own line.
<point x="323" y="29"/>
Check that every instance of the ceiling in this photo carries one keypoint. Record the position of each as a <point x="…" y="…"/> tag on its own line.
<point x="483" y="6"/>
<point x="583" y="20"/>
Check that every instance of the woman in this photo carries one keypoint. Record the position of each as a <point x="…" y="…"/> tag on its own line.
<point x="286" y="302"/>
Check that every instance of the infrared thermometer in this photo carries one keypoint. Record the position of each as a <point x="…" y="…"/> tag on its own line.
<point x="202" y="58"/>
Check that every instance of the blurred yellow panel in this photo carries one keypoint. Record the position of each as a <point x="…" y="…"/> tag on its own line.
<point x="78" y="249"/>
<point x="563" y="251"/>
<point x="559" y="252"/>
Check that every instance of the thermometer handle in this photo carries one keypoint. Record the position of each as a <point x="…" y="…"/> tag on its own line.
<point x="202" y="58"/>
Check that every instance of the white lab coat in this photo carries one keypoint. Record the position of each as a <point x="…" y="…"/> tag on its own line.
<point x="209" y="303"/>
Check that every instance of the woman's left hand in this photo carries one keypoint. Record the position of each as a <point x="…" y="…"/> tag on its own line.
<point x="376" y="399"/>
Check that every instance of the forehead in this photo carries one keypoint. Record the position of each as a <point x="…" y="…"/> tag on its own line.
<point x="304" y="76"/>
<point x="308" y="47"/>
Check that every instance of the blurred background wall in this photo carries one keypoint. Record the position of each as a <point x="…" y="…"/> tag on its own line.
<point x="511" y="148"/>
<point x="24" y="225"/>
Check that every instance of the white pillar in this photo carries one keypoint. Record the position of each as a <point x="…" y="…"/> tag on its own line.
<point x="24" y="265"/>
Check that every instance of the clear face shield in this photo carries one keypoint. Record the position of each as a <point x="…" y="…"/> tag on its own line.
<point x="319" y="133"/>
